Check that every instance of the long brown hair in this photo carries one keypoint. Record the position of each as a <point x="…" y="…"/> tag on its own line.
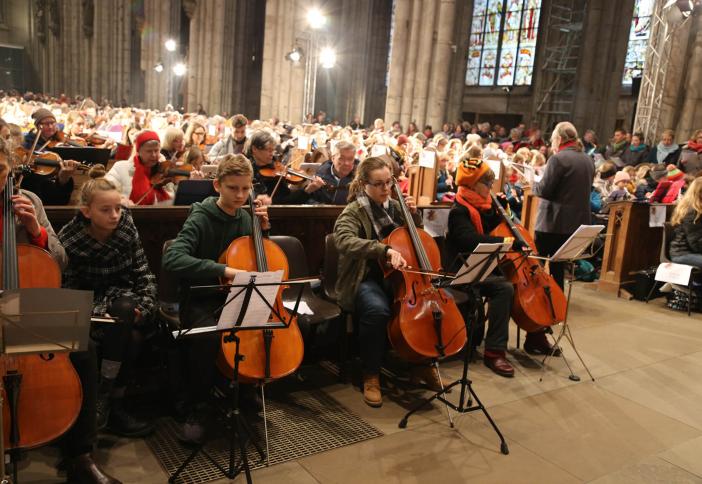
<point x="363" y="175"/>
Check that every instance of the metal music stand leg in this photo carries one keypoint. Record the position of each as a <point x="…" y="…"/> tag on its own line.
<point x="466" y="397"/>
<point x="237" y="428"/>
<point x="565" y="332"/>
<point x="435" y="364"/>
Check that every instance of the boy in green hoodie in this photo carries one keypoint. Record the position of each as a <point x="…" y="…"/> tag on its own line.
<point x="193" y="257"/>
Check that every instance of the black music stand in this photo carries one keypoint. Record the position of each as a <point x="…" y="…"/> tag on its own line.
<point x="37" y="321"/>
<point x="572" y="251"/>
<point x="475" y="274"/>
<point x="238" y="430"/>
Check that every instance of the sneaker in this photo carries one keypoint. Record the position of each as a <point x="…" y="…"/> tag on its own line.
<point x="124" y="424"/>
<point x="428" y="375"/>
<point x="371" y="391"/>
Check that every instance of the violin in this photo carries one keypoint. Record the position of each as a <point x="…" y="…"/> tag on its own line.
<point x="93" y="139"/>
<point x="539" y="301"/>
<point x="45" y="163"/>
<point x="426" y="322"/>
<point x="167" y="171"/>
<point x="61" y="139"/>
<point x="280" y="170"/>
<point x="269" y="354"/>
<point x="42" y="393"/>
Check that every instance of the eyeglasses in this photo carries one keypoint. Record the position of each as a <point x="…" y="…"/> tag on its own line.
<point x="47" y="123"/>
<point x="381" y="184"/>
<point x="199" y="133"/>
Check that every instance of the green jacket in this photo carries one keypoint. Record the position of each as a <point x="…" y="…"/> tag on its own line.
<point x="353" y="236"/>
<point x="193" y="256"/>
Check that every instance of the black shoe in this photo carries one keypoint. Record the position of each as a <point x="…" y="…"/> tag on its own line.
<point x="537" y="344"/>
<point x="83" y="470"/>
<point x="124" y="424"/>
<point x="102" y="410"/>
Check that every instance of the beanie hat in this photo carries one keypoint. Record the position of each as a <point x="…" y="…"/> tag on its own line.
<point x="658" y="172"/>
<point x="674" y="173"/>
<point x="402" y="139"/>
<point x="621" y="176"/>
<point x="144" y="137"/>
<point x="470" y="171"/>
<point x="42" y="113"/>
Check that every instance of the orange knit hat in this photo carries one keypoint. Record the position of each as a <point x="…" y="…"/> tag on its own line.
<point x="470" y="171"/>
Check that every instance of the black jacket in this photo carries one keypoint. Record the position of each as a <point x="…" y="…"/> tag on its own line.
<point x="463" y="236"/>
<point x="687" y="237"/>
<point x="565" y="192"/>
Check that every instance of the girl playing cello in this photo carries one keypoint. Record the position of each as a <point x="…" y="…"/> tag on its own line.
<point x="370" y="216"/>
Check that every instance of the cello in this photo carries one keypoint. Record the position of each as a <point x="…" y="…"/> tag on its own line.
<point x="426" y="322"/>
<point x="269" y="353"/>
<point x="539" y="301"/>
<point x="41" y="394"/>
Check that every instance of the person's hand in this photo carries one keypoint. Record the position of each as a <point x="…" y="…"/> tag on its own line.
<point x="314" y="185"/>
<point x="261" y="211"/>
<point x="502" y="198"/>
<point x="264" y="199"/>
<point x="230" y="272"/>
<point x="197" y="175"/>
<point x="411" y="203"/>
<point x="449" y="180"/>
<point x="68" y="168"/>
<point x="395" y="259"/>
<point x="24" y="209"/>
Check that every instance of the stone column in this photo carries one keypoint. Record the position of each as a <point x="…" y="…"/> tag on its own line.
<point x="601" y="65"/>
<point x="420" y="79"/>
<point x="437" y="108"/>
<point x="691" y="113"/>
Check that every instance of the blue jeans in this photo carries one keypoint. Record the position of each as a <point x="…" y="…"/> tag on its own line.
<point x="372" y="314"/>
<point x="689" y="259"/>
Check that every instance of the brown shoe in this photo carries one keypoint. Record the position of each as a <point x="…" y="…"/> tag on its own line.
<point x="428" y="375"/>
<point x="84" y="470"/>
<point x="496" y="361"/>
<point x="371" y="390"/>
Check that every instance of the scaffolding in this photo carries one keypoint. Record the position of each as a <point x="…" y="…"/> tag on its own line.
<point x="648" y="109"/>
<point x="556" y="96"/>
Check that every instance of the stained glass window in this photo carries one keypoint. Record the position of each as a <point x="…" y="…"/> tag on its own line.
<point x="638" y="40"/>
<point x="502" y="42"/>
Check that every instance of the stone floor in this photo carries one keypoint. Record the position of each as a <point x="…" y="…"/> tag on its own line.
<point x="640" y="421"/>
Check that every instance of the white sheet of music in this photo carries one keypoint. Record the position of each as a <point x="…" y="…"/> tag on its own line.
<point x="578" y="242"/>
<point x="258" y="312"/>
<point x="469" y="272"/>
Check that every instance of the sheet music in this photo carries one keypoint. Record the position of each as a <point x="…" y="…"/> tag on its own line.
<point x="427" y="159"/>
<point x="258" y="312"/>
<point x="303" y="308"/>
<point x="469" y="271"/>
<point x="578" y="242"/>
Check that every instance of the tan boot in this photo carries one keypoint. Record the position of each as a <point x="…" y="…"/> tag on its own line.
<point x="371" y="390"/>
<point x="428" y="375"/>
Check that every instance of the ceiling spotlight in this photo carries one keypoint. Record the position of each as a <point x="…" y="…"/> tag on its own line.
<point x="295" y="55"/>
<point x="327" y="57"/>
<point x="315" y="18"/>
<point x="158" y="67"/>
<point x="170" y="45"/>
<point x="179" y="69"/>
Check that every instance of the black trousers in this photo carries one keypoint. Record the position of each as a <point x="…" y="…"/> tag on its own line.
<point x="547" y="244"/>
<point x="81" y="437"/>
<point x="115" y="341"/>
<point x="500" y="293"/>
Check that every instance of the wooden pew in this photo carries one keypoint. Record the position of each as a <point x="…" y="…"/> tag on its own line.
<point x="631" y="245"/>
<point x="309" y="223"/>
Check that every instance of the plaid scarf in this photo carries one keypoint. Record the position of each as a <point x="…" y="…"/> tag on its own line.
<point x="111" y="269"/>
<point x="382" y="220"/>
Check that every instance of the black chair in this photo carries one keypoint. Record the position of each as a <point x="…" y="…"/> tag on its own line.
<point x="322" y="310"/>
<point x="668" y="233"/>
<point x="168" y="294"/>
<point x="329" y="277"/>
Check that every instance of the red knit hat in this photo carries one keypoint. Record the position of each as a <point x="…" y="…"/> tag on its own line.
<point x="674" y="173"/>
<point x="402" y="139"/>
<point x="144" y="137"/>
